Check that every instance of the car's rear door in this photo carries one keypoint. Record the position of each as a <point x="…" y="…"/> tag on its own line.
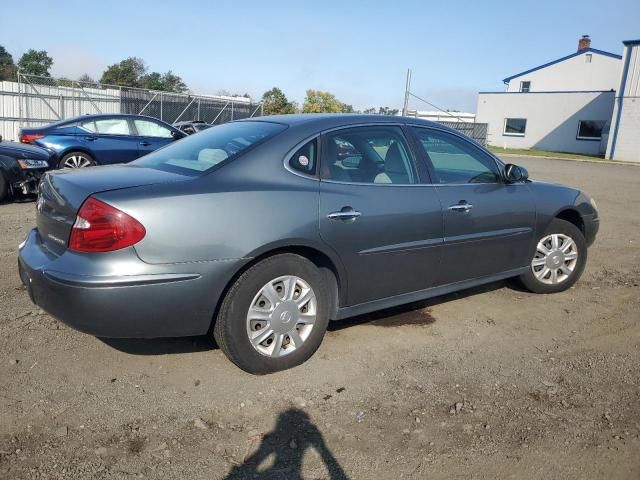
<point x="151" y="135"/>
<point x="488" y="224"/>
<point x="109" y="139"/>
<point x="376" y="213"/>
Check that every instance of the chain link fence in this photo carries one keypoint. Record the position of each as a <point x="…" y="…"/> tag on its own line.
<point x="476" y="131"/>
<point x="35" y="101"/>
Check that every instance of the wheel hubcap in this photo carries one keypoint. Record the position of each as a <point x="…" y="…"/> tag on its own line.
<point x="555" y="259"/>
<point x="281" y="316"/>
<point x="77" y="161"/>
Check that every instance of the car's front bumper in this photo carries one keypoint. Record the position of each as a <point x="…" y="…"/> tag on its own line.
<point x="591" y="227"/>
<point x="140" y="300"/>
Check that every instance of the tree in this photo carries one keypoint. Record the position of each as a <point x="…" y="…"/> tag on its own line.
<point x="388" y="111"/>
<point x="275" y="102"/>
<point x="318" y="101"/>
<point x="7" y="67"/>
<point x="85" y="78"/>
<point x="35" y="62"/>
<point x="127" y="73"/>
<point x="132" y="72"/>
<point x="173" y="83"/>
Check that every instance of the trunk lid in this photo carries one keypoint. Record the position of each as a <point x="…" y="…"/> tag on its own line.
<point x="62" y="193"/>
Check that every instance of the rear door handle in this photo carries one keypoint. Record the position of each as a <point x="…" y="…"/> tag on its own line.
<point x="144" y="143"/>
<point x="346" y="214"/>
<point x="463" y="206"/>
<point x="91" y="139"/>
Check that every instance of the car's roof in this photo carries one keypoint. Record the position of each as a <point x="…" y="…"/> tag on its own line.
<point x="330" y="120"/>
<point x="105" y="115"/>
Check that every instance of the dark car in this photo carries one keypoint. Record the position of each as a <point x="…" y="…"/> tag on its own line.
<point x="101" y="139"/>
<point x="263" y="230"/>
<point x="21" y="167"/>
<point x="193" y="126"/>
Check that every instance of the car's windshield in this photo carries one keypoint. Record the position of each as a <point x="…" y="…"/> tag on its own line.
<point x="197" y="154"/>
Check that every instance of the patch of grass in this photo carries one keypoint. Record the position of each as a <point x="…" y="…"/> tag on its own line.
<point x="542" y="153"/>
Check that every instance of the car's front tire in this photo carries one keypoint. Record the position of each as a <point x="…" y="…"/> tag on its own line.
<point x="77" y="160"/>
<point x="558" y="260"/>
<point x="275" y="315"/>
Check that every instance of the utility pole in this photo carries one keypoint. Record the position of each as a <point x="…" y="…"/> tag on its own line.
<point x="407" y="89"/>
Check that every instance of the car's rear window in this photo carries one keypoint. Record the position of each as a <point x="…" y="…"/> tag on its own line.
<point x="200" y="153"/>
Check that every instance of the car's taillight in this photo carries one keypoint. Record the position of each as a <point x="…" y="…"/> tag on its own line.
<point x="99" y="227"/>
<point x="30" y="137"/>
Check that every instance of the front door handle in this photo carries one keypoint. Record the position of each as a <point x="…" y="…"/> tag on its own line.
<point x="144" y="143"/>
<point x="346" y="214"/>
<point x="91" y="139"/>
<point x="462" y="206"/>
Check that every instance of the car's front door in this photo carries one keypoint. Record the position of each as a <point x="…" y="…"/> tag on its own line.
<point x="109" y="140"/>
<point x="151" y="135"/>
<point x="488" y="224"/>
<point x="384" y="225"/>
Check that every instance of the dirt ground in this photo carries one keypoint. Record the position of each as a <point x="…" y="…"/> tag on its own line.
<point x="488" y="383"/>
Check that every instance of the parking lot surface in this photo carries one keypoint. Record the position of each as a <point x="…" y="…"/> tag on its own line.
<point x="489" y="383"/>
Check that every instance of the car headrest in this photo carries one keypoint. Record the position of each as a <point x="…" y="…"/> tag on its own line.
<point x="393" y="161"/>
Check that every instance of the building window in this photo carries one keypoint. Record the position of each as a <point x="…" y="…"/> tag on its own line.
<point x="590" y="129"/>
<point x="587" y="58"/>
<point x="525" y="87"/>
<point x="515" y="127"/>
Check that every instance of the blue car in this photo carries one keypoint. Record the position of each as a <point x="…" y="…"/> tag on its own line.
<point x="101" y="139"/>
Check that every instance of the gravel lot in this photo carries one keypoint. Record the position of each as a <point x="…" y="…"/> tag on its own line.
<point x="489" y="383"/>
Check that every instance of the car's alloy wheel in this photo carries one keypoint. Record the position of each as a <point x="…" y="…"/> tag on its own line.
<point x="275" y="314"/>
<point x="558" y="259"/>
<point x="281" y="316"/>
<point x="555" y="259"/>
<point x="76" y="160"/>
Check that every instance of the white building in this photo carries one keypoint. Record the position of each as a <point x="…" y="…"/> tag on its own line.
<point x="563" y="106"/>
<point x="624" y="139"/>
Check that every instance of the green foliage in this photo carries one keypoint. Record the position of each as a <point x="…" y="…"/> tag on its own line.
<point x="387" y="111"/>
<point x="318" y="101"/>
<point x="8" y="70"/>
<point x="127" y="73"/>
<point x="132" y="72"/>
<point x="86" y="78"/>
<point x="35" y="62"/>
<point x="275" y="102"/>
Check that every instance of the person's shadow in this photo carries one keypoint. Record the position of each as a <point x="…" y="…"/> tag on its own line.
<point x="293" y="434"/>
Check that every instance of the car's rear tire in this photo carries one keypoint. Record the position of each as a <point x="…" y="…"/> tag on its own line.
<point x="558" y="259"/>
<point x="4" y="188"/>
<point x="275" y="315"/>
<point x="77" y="160"/>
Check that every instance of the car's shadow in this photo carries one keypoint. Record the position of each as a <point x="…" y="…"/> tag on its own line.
<point x="391" y="317"/>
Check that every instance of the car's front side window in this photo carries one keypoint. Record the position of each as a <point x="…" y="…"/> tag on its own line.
<point x="147" y="128"/>
<point x="456" y="161"/>
<point x="377" y="154"/>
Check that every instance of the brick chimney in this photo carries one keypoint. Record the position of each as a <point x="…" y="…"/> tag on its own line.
<point x="584" y="42"/>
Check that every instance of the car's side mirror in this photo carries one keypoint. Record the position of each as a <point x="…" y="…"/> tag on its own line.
<point x="514" y="173"/>
<point x="177" y="135"/>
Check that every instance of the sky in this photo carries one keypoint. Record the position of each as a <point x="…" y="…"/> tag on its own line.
<point x="357" y="50"/>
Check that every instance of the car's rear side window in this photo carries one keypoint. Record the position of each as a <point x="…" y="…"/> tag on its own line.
<point x="200" y="153"/>
<point x="304" y="159"/>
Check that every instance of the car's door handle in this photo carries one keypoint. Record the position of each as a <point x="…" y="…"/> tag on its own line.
<point x="462" y="206"/>
<point x="91" y="139"/>
<point x="145" y="143"/>
<point x="346" y="214"/>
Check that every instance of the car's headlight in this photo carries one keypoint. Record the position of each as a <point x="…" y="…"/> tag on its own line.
<point x="27" y="164"/>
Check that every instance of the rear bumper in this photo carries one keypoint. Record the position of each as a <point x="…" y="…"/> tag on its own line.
<point x="155" y="301"/>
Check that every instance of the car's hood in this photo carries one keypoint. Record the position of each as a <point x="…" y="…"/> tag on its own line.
<point x="22" y="150"/>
